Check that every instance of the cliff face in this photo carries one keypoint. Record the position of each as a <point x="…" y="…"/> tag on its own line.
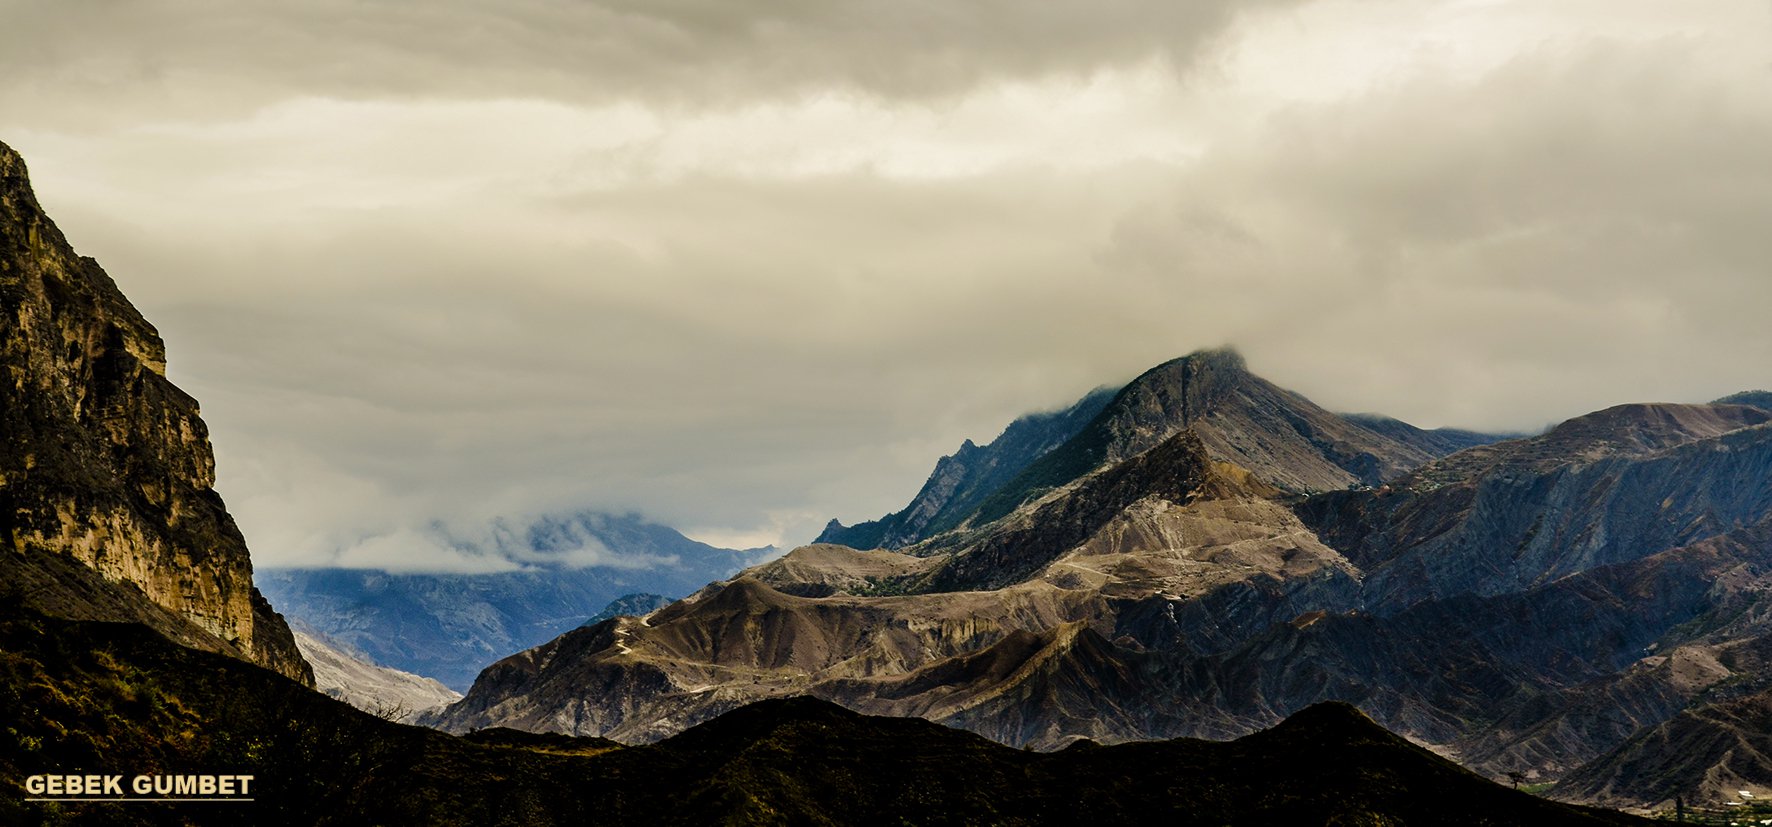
<point x="104" y="461"/>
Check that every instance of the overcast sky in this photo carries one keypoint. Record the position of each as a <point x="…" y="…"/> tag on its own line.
<point x="747" y="265"/>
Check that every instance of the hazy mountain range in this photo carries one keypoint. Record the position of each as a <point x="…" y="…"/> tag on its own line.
<point x="450" y="626"/>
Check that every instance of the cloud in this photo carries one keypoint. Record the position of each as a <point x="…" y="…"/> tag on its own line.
<point x="1570" y="230"/>
<point x="195" y="57"/>
<point x="742" y="268"/>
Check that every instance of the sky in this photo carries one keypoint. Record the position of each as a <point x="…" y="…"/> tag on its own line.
<point x="743" y="266"/>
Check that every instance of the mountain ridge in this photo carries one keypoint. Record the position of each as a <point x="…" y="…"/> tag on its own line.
<point x="1177" y="593"/>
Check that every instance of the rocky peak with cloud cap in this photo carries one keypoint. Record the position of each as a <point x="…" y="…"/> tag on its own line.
<point x="1240" y="418"/>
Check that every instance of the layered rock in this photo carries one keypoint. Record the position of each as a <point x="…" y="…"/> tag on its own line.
<point x="105" y="462"/>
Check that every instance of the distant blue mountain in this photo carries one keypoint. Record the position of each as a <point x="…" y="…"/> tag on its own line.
<point x="450" y="626"/>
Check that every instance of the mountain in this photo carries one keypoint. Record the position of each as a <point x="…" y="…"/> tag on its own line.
<point x="1758" y="399"/>
<point x="135" y="703"/>
<point x="1709" y="753"/>
<point x="389" y="694"/>
<point x="1598" y="579"/>
<point x="1285" y="439"/>
<point x="637" y="605"/>
<point x="107" y="496"/>
<point x="450" y="626"/>
<point x="1612" y="486"/>
<point x="1439" y="441"/>
<point x="961" y="481"/>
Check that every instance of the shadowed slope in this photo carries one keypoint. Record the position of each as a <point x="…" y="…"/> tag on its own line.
<point x="794" y="760"/>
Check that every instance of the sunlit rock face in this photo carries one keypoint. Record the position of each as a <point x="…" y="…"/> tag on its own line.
<point x="105" y="462"/>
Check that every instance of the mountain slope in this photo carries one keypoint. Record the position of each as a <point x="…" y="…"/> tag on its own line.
<point x="1705" y="755"/>
<point x="105" y="462"/>
<point x="1758" y="399"/>
<point x="961" y="481"/>
<point x="386" y="693"/>
<point x="1612" y="486"/>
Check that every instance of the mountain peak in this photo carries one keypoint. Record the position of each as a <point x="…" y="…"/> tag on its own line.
<point x="1226" y="358"/>
<point x="12" y="166"/>
<point x="1284" y="439"/>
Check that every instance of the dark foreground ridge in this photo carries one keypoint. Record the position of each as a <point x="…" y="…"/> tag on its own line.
<point x="88" y="697"/>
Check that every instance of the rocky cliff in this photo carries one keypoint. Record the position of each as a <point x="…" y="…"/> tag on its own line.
<point x="105" y="463"/>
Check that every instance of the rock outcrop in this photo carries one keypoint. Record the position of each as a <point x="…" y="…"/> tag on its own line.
<point x="105" y="462"/>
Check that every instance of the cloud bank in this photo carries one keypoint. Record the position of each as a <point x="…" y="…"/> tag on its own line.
<point x="746" y="267"/>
